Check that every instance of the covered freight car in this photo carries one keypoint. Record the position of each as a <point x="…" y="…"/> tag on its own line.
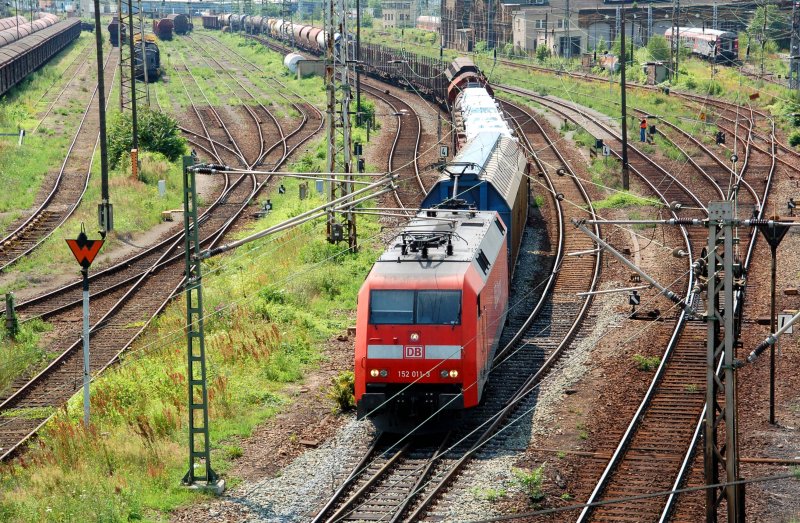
<point x="180" y="23"/>
<point x="489" y="173"/>
<point x="114" y="29"/>
<point x="211" y="22"/>
<point x="163" y="28"/>
<point x="24" y="56"/>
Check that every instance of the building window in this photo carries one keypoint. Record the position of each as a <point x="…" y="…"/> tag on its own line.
<point x="560" y="23"/>
<point x="539" y="24"/>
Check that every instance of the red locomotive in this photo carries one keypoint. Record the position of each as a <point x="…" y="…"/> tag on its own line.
<point x="430" y="315"/>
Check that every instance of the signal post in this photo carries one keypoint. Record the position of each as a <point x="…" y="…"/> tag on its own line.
<point x="85" y="251"/>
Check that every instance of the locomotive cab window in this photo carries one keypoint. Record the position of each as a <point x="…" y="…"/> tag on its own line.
<point x="396" y="307"/>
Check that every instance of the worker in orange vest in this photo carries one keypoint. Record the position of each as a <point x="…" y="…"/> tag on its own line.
<point x="642" y="129"/>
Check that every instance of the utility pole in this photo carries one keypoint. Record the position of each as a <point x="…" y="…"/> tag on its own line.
<point x="622" y="59"/>
<point x="286" y="15"/>
<point x="337" y="81"/>
<point x="677" y="35"/>
<point x="105" y="210"/>
<point x="649" y="23"/>
<point x="714" y="18"/>
<point x="721" y="343"/>
<point x="359" y="121"/>
<point x="569" y="40"/>
<point x="199" y="444"/>
<point x="764" y="37"/>
<point x="794" y="50"/>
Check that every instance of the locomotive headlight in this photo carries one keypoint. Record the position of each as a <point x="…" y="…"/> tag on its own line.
<point x="453" y="373"/>
<point x="384" y="373"/>
<point x="414" y="337"/>
<point x="443" y="374"/>
<point x="374" y="373"/>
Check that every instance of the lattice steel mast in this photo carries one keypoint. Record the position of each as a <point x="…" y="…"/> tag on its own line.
<point x="794" y="50"/>
<point x="341" y="226"/>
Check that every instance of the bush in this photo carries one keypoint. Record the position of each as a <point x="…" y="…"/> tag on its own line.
<point x="342" y="391"/>
<point x="658" y="47"/>
<point x="531" y="482"/>
<point x="711" y="87"/>
<point x="646" y="364"/>
<point x="157" y="133"/>
<point x="794" y="138"/>
<point x="542" y="53"/>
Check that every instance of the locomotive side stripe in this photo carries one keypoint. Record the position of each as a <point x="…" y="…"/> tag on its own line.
<point x="432" y="352"/>
<point x="443" y="352"/>
<point x="385" y="352"/>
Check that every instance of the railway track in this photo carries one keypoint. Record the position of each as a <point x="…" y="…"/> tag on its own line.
<point x="135" y="291"/>
<point x="79" y="64"/>
<point x="402" y="480"/>
<point x="663" y="432"/>
<point x="404" y="153"/>
<point x="69" y="186"/>
<point x="288" y="142"/>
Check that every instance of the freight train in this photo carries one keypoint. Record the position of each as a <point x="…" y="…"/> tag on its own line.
<point x="117" y="31"/>
<point x="13" y="29"/>
<point x="21" y="58"/>
<point x="306" y="37"/>
<point x="711" y="44"/>
<point x="381" y="62"/>
<point x="431" y="311"/>
<point x="432" y="308"/>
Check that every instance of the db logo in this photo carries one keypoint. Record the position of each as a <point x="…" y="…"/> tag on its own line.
<point x="413" y="352"/>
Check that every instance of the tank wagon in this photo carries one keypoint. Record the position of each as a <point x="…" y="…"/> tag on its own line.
<point x="430" y="315"/>
<point x="163" y="28"/>
<point x="180" y="23"/>
<point x="19" y="59"/>
<point x="12" y="22"/>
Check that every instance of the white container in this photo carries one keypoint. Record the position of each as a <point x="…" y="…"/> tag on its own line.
<point x="290" y="61"/>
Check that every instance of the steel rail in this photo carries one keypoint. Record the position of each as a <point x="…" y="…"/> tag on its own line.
<point x="19" y="232"/>
<point x="161" y="263"/>
<point x="86" y="53"/>
<point x="393" y="152"/>
<point x="671" y="345"/>
<point x="558" y="352"/>
<point x="739" y="297"/>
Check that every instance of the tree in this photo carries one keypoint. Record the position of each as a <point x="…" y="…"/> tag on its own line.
<point x="777" y="25"/>
<point x="542" y="53"/>
<point x="658" y="47"/>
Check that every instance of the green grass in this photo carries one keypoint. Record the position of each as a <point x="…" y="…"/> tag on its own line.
<point x="22" y="352"/>
<point x="620" y="200"/>
<point x="137" y="208"/>
<point x="270" y="308"/>
<point x="646" y="364"/>
<point x="23" y="169"/>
